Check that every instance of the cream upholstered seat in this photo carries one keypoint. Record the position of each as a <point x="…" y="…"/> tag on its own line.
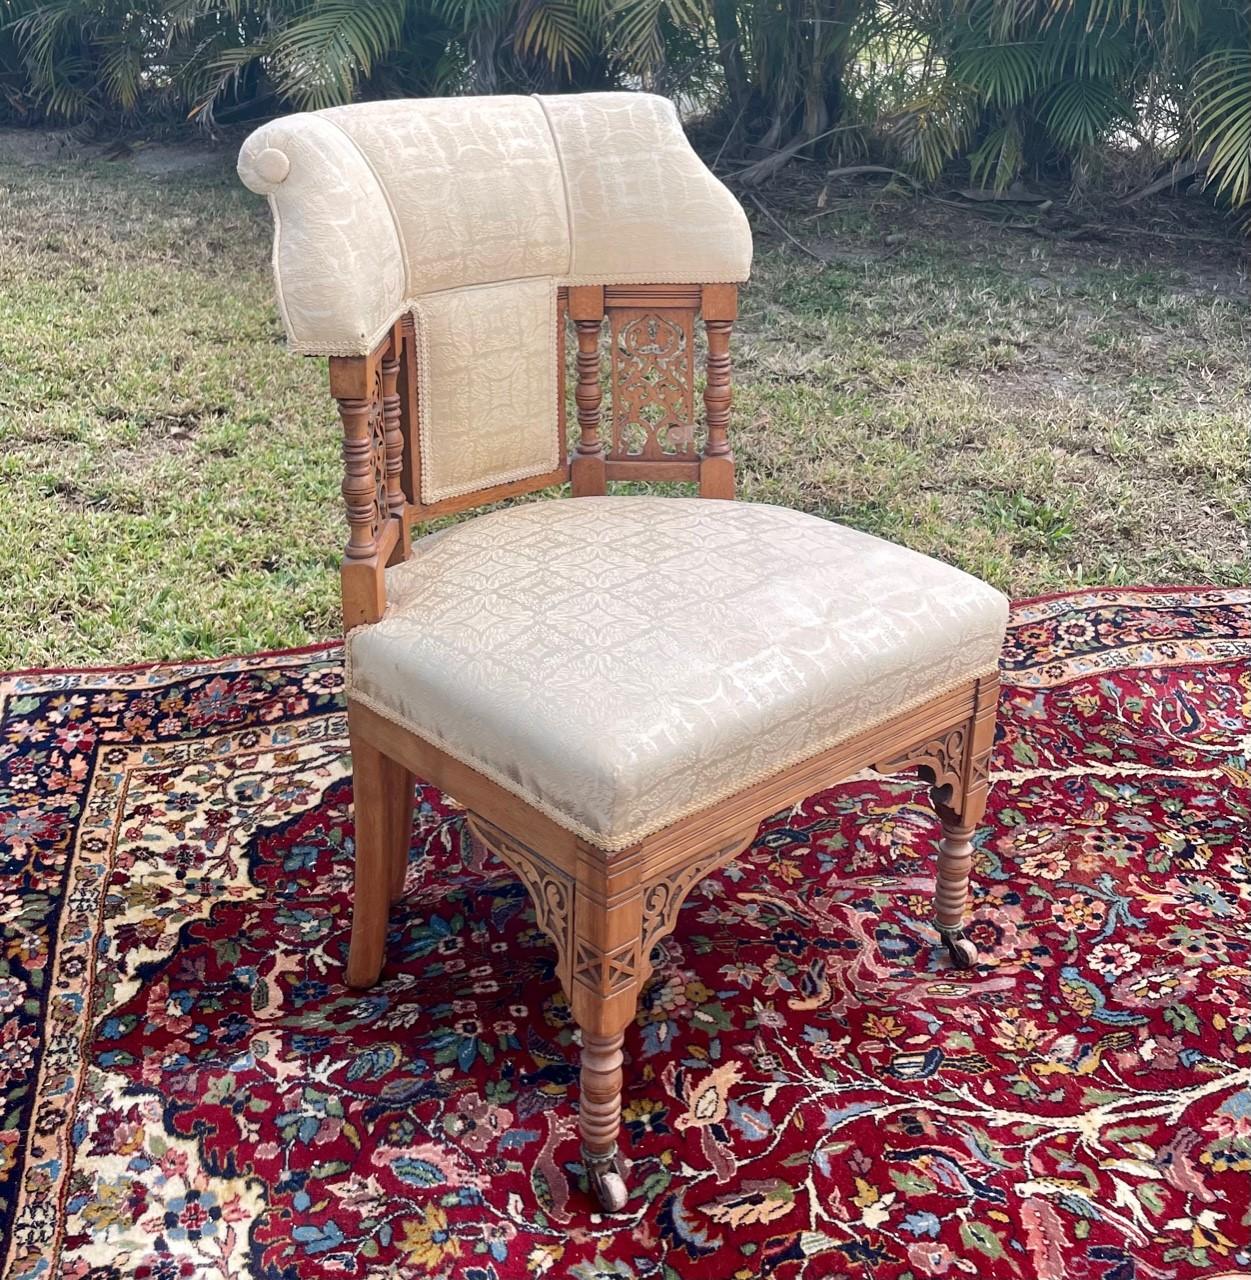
<point x="617" y="689"/>
<point x="622" y="662"/>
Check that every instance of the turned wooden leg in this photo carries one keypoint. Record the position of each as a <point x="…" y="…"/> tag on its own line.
<point x="599" y="1117"/>
<point x="382" y="801"/>
<point x="606" y="975"/>
<point x="951" y="893"/>
<point x="961" y="809"/>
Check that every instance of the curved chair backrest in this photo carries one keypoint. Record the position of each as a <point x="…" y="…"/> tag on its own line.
<point x="435" y="248"/>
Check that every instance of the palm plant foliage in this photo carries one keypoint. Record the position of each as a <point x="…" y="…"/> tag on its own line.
<point x="1017" y="85"/>
<point x="1011" y="87"/>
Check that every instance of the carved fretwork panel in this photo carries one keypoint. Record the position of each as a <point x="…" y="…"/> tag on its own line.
<point x="663" y="898"/>
<point x="551" y="890"/>
<point x="653" y="383"/>
<point x="606" y="972"/>
<point x="941" y="761"/>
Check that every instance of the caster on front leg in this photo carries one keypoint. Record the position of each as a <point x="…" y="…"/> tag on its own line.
<point x="962" y="952"/>
<point x="607" y="1180"/>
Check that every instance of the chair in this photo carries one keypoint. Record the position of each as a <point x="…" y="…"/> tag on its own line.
<point x="616" y="688"/>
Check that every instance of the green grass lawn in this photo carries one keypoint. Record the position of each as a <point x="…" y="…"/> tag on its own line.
<point x="1043" y="415"/>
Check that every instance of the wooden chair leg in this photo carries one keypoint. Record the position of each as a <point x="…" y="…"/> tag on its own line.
<point x="382" y="801"/>
<point x="607" y="972"/>
<point x="955" y="863"/>
<point x="961" y="809"/>
<point x="599" y="1117"/>
<point x="401" y="842"/>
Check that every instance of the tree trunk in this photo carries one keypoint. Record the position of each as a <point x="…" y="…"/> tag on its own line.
<point x="730" y="55"/>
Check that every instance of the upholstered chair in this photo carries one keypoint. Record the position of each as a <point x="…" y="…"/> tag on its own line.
<point x="616" y="688"/>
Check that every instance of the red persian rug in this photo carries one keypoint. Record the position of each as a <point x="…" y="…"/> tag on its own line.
<point x="188" y="1092"/>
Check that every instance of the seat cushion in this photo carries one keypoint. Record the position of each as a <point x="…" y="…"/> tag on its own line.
<point x="622" y="662"/>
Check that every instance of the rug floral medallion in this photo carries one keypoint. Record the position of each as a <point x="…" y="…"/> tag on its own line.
<point x="189" y="1092"/>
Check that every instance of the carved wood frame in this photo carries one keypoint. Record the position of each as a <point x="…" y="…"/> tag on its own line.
<point x="603" y="912"/>
<point x="379" y="394"/>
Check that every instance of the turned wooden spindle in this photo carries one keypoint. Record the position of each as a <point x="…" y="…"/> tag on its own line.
<point x="589" y="393"/>
<point x="588" y="473"/>
<point x="717" y="391"/>
<point x="391" y="425"/>
<point x="599" y="1114"/>
<point x="393" y="437"/>
<point x="360" y="493"/>
<point x="716" y="466"/>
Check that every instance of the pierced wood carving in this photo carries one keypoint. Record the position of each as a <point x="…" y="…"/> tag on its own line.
<point x="606" y="971"/>
<point x="365" y="469"/>
<point x="551" y="890"/>
<point x="653" y="384"/>
<point x="663" y="898"/>
<point x="956" y="764"/>
<point x="940" y="760"/>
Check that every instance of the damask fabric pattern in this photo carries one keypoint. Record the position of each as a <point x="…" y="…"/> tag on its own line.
<point x="488" y="415"/>
<point x="445" y="193"/>
<point x="621" y="662"/>
<point x="340" y="278"/>
<point x="474" y="183"/>
<point x="641" y="212"/>
<point x="187" y="1091"/>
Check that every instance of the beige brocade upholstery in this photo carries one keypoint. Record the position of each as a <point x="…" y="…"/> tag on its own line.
<point x="471" y="212"/>
<point x="380" y="203"/>
<point x="488" y="415"/>
<point x="622" y="662"/>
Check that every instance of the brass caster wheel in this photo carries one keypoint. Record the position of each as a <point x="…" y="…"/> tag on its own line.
<point x="608" y="1184"/>
<point x="962" y="952"/>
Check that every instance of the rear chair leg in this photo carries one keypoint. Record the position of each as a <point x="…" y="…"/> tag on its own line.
<point x="951" y="895"/>
<point x="382" y="794"/>
<point x="955" y="850"/>
<point x="401" y="839"/>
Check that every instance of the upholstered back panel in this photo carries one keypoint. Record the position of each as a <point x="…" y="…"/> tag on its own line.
<point x="471" y="213"/>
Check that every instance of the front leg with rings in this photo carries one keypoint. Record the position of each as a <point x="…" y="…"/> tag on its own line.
<point x="951" y="894"/>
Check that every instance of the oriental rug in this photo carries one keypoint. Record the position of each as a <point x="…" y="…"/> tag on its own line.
<point x="188" y="1092"/>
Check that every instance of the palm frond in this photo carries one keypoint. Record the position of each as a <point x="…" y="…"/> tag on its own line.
<point x="1078" y="112"/>
<point x="934" y="128"/>
<point x="998" y="160"/>
<point x="1000" y="74"/>
<point x="638" y="27"/>
<point x="555" y="30"/>
<point x="1223" y="121"/>
<point x="321" y="55"/>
